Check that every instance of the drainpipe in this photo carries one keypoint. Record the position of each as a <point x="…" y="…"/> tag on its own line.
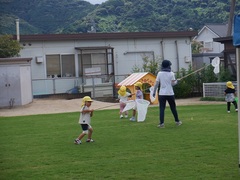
<point x="17" y="30"/>
<point x="177" y="55"/>
<point x="162" y="49"/>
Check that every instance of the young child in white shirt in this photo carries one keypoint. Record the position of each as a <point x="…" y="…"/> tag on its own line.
<point x="139" y="95"/>
<point x="85" y="120"/>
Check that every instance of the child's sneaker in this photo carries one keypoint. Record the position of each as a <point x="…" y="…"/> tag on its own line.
<point x="236" y="110"/>
<point x="161" y="125"/>
<point x="228" y="112"/>
<point x="121" y="116"/>
<point x="126" y="116"/>
<point x="77" y="141"/>
<point x="179" y="123"/>
<point x="89" y="140"/>
<point x="132" y="119"/>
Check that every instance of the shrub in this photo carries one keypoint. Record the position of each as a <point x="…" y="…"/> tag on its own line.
<point x="9" y="47"/>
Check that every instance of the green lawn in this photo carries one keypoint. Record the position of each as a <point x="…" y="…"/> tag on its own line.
<point x="205" y="147"/>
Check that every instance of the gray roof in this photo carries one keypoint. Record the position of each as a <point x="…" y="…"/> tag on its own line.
<point x="219" y="29"/>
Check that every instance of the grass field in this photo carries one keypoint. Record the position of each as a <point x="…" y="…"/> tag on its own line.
<point x="41" y="146"/>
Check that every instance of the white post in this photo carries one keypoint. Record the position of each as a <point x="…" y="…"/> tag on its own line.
<point x="238" y="94"/>
<point x="17" y="30"/>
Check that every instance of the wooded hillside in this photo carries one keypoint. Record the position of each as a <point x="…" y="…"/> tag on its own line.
<point x="76" y="16"/>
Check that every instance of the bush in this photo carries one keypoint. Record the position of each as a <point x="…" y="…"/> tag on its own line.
<point x="9" y="47"/>
<point x="194" y="82"/>
<point x="225" y="75"/>
<point x="185" y="87"/>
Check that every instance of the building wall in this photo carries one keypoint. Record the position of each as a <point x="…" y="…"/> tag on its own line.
<point x="207" y="36"/>
<point x="127" y="53"/>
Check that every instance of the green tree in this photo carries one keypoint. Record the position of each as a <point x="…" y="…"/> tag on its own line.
<point x="225" y="75"/>
<point x="186" y="86"/>
<point x="9" y="47"/>
<point x="196" y="47"/>
<point x="148" y="65"/>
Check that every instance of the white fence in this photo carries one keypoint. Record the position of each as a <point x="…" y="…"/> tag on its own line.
<point x="215" y="89"/>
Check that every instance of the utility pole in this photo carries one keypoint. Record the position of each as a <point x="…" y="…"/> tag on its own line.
<point x="230" y="20"/>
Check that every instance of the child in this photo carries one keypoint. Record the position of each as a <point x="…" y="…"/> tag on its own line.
<point x="85" y="120"/>
<point x="139" y="95"/>
<point x="123" y="97"/>
<point x="230" y="94"/>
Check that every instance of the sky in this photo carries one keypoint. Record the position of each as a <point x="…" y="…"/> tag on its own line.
<point x="96" y="1"/>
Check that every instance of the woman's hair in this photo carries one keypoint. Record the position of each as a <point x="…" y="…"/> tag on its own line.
<point x="166" y="65"/>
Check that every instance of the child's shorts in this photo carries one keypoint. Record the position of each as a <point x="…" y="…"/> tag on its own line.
<point x="86" y="127"/>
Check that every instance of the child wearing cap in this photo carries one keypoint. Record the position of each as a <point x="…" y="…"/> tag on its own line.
<point x="123" y="96"/>
<point x="139" y="95"/>
<point x="230" y="94"/>
<point x="85" y="119"/>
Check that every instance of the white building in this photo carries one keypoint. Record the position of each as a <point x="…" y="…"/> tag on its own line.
<point x="211" y="49"/>
<point x="62" y="62"/>
<point x="208" y="33"/>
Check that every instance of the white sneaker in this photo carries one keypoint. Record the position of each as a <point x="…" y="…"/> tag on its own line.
<point x="179" y="123"/>
<point x="77" y="141"/>
<point x="228" y="111"/>
<point x="161" y="125"/>
<point x="236" y="110"/>
<point x="132" y="119"/>
<point x="89" y="140"/>
<point x="126" y="116"/>
<point x="121" y="116"/>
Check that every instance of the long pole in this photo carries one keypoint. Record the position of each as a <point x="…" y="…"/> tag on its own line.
<point x="192" y="73"/>
<point x="238" y="94"/>
<point x="231" y="15"/>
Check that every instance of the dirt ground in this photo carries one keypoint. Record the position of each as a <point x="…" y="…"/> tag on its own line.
<point x="52" y="106"/>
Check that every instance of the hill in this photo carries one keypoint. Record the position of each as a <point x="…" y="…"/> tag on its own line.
<point x="76" y="16"/>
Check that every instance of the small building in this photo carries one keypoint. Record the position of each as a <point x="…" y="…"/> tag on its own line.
<point x="208" y="33"/>
<point x="95" y="62"/>
<point x="15" y="82"/>
<point x="147" y="79"/>
<point x="211" y="48"/>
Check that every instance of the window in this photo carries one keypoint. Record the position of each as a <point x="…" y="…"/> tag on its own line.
<point x="60" y="65"/>
<point x="92" y="61"/>
<point x="208" y="46"/>
<point x="53" y="66"/>
<point x="68" y="65"/>
<point x="96" y="61"/>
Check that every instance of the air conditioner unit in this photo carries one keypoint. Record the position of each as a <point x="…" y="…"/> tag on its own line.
<point x="187" y="59"/>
